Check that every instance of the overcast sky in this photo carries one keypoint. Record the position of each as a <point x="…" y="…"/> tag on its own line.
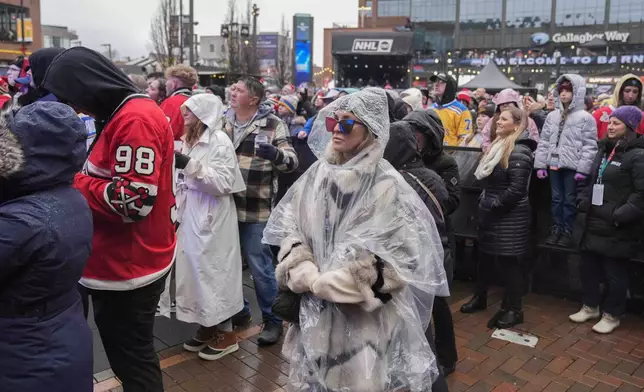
<point x="126" y="23"/>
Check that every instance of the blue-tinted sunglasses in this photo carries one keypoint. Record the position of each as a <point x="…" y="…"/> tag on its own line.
<point x="346" y="125"/>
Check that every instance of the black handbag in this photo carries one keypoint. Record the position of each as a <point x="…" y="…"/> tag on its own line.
<point x="287" y="306"/>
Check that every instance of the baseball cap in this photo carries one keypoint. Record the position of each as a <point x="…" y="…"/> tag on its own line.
<point x="440" y="76"/>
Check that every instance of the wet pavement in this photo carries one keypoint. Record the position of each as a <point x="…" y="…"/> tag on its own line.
<point x="568" y="357"/>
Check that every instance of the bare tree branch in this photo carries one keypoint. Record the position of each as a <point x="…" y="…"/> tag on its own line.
<point x="161" y="34"/>
<point x="234" y="63"/>
<point x="284" y="58"/>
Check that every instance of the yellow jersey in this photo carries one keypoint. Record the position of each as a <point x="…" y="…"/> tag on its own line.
<point x="457" y="122"/>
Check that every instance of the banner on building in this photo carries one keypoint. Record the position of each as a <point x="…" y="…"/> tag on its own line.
<point x="636" y="59"/>
<point x="267" y="52"/>
<point x="29" y="30"/>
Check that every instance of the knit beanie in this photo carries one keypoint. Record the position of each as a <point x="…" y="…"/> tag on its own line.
<point x="565" y="85"/>
<point x="629" y="115"/>
<point x="465" y="95"/>
<point x="290" y="102"/>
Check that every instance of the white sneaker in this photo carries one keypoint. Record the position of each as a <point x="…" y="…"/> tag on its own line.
<point x="586" y="313"/>
<point x="607" y="324"/>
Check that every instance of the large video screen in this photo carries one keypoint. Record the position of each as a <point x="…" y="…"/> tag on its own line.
<point x="303" y="65"/>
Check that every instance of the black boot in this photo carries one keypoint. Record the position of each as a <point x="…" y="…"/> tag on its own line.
<point x="478" y="302"/>
<point x="555" y="233"/>
<point x="565" y="240"/>
<point x="511" y="318"/>
<point x="501" y="313"/>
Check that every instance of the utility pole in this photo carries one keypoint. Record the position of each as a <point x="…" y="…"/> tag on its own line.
<point x="192" y="31"/>
<point x="255" y="62"/>
<point x="22" y="26"/>
<point x="181" y="33"/>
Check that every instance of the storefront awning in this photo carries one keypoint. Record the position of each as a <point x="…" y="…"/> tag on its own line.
<point x="372" y="43"/>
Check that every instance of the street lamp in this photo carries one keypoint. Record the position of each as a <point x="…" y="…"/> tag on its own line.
<point x="109" y="49"/>
<point x="363" y="11"/>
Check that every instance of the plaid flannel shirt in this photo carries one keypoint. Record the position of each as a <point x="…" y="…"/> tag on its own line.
<point x="255" y="203"/>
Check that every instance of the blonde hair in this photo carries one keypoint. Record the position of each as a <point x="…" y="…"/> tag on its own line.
<point x="519" y="117"/>
<point x="187" y="75"/>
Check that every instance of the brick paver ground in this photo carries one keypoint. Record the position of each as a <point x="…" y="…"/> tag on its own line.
<point x="568" y="357"/>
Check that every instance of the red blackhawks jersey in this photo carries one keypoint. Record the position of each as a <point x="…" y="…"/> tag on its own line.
<point x="172" y="108"/>
<point x="129" y="184"/>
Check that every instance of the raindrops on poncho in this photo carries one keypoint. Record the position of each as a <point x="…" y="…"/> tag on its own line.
<point x="348" y="213"/>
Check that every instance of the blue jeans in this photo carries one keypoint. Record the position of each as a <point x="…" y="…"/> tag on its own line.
<point x="260" y="261"/>
<point x="564" y="198"/>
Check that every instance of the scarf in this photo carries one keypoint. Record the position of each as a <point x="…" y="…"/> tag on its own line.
<point x="490" y="160"/>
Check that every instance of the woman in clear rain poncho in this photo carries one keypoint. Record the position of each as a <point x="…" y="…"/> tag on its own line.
<point x="363" y="251"/>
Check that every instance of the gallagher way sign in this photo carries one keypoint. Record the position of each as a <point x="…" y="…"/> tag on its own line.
<point x="372" y="45"/>
<point x="573" y="38"/>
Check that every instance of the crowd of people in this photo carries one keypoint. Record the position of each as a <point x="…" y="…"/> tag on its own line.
<point x="339" y="202"/>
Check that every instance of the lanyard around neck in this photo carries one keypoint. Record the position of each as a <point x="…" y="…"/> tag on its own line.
<point x="604" y="165"/>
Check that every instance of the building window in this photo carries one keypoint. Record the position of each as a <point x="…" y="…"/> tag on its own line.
<point x="481" y="14"/>
<point x="433" y="11"/>
<point x="369" y="4"/>
<point x="528" y="14"/>
<point x="56" y="42"/>
<point x="393" y="8"/>
<point x="9" y="15"/>
<point x="626" y="11"/>
<point x="212" y="48"/>
<point x="580" y="12"/>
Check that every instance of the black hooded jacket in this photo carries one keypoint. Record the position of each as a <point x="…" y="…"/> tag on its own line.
<point x="397" y="108"/>
<point x="39" y="61"/>
<point x="429" y="124"/>
<point x="614" y="229"/>
<point x="86" y="79"/>
<point x="450" y="90"/>
<point x="402" y="153"/>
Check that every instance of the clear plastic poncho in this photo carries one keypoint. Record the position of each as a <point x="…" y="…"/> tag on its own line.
<point x="344" y="212"/>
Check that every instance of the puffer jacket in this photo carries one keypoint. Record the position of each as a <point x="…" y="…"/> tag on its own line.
<point x="507" y="96"/>
<point x="571" y="133"/>
<point x="614" y="229"/>
<point x="45" y="241"/>
<point x="429" y="124"/>
<point x="402" y="153"/>
<point x="504" y="209"/>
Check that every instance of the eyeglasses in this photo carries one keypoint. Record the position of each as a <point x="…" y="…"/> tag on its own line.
<point x="346" y="125"/>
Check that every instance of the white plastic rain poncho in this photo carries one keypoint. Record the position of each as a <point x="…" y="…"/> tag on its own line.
<point x="208" y="265"/>
<point x="373" y="261"/>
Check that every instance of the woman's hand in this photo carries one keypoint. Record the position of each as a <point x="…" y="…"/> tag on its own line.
<point x="302" y="135"/>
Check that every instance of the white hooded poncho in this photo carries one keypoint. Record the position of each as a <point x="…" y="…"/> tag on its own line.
<point x="346" y="214"/>
<point x="208" y="263"/>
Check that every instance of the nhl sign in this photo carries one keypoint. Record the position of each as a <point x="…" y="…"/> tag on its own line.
<point x="372" y="45"/>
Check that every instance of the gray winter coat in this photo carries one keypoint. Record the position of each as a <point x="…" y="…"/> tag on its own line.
<point x="578" y="141"/>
